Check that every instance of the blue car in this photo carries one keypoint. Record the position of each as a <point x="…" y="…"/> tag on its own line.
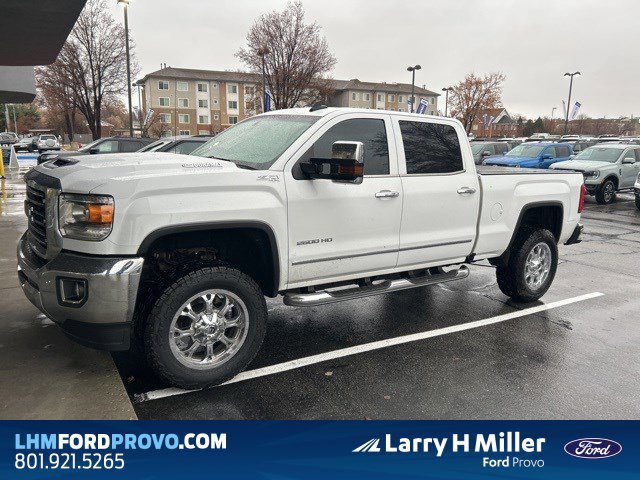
<point x="533" y="155"/>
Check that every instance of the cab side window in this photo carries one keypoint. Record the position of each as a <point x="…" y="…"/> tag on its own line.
<point x="630" y="155"/>
<point x="550" y="151"/>
<point x="430" y="148"/>
<point x="562" y="151"/>
<point x="371" y="132"/>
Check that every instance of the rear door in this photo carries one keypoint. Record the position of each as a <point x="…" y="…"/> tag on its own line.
<point x="345" y="230"/>
<point x="441" y="192"/>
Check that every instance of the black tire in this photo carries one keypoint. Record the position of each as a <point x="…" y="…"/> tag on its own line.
<point x="511" y="278"/>
<point x="606" y="193"/>
<point x="158" y="324"/>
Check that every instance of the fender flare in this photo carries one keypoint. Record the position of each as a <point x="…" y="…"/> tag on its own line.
<point x="212" y="226"/>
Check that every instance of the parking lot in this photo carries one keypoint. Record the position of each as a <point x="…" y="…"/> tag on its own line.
<point x="472" y="354"/>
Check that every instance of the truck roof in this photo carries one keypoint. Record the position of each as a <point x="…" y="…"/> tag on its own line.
<point x="324" y="111"/>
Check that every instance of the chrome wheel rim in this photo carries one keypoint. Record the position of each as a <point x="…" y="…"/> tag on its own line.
<point x="209" y="329"/>
<point x="608" y="192"/>
<point x="537" y="266"/>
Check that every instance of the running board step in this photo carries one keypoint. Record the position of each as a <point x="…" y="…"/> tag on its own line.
<point x="325" y="296"/>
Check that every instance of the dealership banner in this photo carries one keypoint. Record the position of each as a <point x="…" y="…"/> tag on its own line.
<point x="318" y="449"/>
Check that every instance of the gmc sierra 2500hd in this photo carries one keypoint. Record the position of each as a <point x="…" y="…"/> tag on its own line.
<point x="320" y="205"/>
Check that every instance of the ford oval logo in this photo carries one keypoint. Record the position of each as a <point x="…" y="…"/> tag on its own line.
<point x="593" y="448"/>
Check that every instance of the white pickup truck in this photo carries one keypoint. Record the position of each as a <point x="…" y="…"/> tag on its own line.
<point x="177" y="253"/>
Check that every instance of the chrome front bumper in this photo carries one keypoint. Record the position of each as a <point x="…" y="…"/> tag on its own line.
<point x="103" y="319"/>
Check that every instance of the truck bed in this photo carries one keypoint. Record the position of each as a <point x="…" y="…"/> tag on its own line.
<point x="497" y="170"/>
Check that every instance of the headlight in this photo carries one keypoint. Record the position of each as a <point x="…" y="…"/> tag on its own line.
<point x="595" y="174"/>
<point x="85" y="217"/>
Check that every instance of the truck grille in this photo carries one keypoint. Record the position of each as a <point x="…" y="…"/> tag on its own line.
<point x="34" y="207"/>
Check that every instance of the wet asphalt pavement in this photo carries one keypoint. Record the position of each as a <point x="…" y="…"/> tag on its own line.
<point x="578" y="361"/>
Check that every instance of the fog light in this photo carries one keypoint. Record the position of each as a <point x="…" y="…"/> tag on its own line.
<point x="72" y="292"/>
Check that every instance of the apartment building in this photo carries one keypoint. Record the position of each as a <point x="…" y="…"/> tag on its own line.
<point x="382" y="96"/>
<point x="190" y="102"/>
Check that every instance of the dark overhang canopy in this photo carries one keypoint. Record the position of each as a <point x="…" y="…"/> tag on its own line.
<point x="32" y="32"/>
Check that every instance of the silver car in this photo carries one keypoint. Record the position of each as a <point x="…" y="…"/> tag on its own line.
<point x="607" y="169"/>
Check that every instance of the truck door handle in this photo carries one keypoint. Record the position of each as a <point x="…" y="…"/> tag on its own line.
<point x="387" y="194"/>
<point x="466" y="190"/>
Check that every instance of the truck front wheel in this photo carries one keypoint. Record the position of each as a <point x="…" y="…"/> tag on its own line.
<point x="205" y="328"/>
<point x="532" y="265"/>
<point x="606" y="193"/>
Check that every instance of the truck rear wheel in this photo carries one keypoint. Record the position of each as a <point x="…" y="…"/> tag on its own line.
<point x="205" y="328"/>
<point x="532" y="265"/>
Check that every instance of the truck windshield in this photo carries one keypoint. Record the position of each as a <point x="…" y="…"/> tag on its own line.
<point x="531" y="151"/>
<point x="599" y="154"/>
<point x="257" y="142"/>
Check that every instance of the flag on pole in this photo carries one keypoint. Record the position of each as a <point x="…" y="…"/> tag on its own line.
<point x="150" y="113"/>
<point x="422" y="106"/>
<point x="266" y="101"/>
<point x="574" y="112"/>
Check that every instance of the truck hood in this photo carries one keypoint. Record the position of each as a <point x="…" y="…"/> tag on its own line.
<point x="85" y="173"/>
<point x="582" y="165"/>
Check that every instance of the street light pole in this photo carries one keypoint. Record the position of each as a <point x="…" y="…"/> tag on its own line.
<point x="446" y="98"/>
<point x="263" y="52"/>
<point x="413" y="83"/>
<point x="566" y="114"/>
<point x="125" y="3"/>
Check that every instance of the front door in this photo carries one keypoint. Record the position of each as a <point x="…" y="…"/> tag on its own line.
<point x="339" y="231"/>
<point x="629" y="171"/>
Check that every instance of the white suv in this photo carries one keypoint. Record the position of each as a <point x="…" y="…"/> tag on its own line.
<point x="48" y="142"/>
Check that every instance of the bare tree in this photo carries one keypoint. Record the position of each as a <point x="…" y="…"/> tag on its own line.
<point x="92" y="64"/>
<point x="56" y="98"/>
<point x="474" y="94"/>
<point x="298" y="57"/>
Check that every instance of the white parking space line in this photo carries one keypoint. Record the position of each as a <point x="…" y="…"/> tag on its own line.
<point x="367" y="347"/>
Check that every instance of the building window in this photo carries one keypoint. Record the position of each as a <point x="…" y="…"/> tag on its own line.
<point x="163" y="85"/>
<point x="233" y="120"/>
<point x="185" y="132"/>
<point x="164" y="101"/>
<point x="216" y="117"/>
<point x="381" y="97"/>
<point x="204" y="132"/>
<point x="166" y="133"/>
<point x="232" y="89"/>
<point x="203" y="87"/>
<point x="232" y="105"/>
<point x="183" y="86"/>
<point x="367" y="97"/>
<point x="430" y="148"/>
<point x="183" y="102"/>
<point x="400" y="99"/>
<point x="353" y="96"/>
<point x="203" y="119"/>
<point x="183" y="118"/>
<point x="203" y="103"/>
<point x="249" y="90"/>
<point x="392" y="98"/>
<point x="164" y="117"/>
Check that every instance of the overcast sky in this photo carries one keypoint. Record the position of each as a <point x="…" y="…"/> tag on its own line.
<point x="533" y="42"/>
